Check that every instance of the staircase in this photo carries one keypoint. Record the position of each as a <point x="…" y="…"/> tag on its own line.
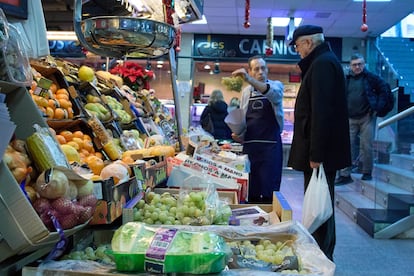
<point x="384" y="206"/>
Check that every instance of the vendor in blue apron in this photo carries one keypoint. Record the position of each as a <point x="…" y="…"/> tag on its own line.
<point x="261" y="103"/>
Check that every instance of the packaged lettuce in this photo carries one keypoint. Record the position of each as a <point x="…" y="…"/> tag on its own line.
<point x="139" y="247"/>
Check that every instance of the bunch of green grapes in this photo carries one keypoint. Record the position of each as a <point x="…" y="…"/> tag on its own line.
<point x="99" y="255"/>
<point x="233" y="83"/>
<point x="265" y="250"/>
<point x="189" y="209"/>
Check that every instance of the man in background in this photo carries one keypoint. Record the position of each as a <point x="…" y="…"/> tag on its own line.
<point x="360" y="82"/>
<point x="321" y="132"/>
<point x="261" y="103"/>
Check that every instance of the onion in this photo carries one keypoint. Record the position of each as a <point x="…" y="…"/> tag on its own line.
<point x="52" y="184"/>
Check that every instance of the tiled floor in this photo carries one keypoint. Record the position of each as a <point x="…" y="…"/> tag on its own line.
<point x="356" y="253"/>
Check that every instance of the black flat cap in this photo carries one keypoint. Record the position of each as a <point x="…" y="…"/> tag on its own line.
<point x="305" y="30"/>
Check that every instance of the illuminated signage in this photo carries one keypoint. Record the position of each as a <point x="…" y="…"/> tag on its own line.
<point x="235" y="46"/>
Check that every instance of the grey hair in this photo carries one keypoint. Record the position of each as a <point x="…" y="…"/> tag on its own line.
<point x="357" y="56"/>
<point x="216" y="96"/>
<point x="317" y="39"/>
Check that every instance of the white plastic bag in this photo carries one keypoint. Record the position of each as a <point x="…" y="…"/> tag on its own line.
<point x="317" y="204"/>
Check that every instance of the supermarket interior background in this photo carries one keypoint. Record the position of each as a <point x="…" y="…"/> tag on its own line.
<point x="374" y="219"/>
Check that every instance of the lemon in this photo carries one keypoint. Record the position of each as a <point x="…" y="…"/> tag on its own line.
<point x="86" y="73"/>
<point x="71" y="153"/>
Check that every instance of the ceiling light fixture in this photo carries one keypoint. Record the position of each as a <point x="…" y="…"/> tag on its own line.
<point x="216" y="68"/>
<point x="61" y="35"/>
<point x="284" y="21"/>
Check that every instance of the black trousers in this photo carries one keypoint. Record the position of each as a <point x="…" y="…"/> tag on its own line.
<point x="325" y="235"/>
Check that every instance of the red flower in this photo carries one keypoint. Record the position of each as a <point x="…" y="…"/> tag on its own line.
<point x="132" y="73"/>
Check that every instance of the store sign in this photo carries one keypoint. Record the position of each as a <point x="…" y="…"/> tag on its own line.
<point x="235" y="46"/>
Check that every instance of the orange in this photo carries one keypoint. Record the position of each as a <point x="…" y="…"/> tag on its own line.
<point x="87" y="137"/>
<point x="78" y="141"/>
<point x="67" y="134"/>
<point x="62" y="96"/>
<point x="73" y="144"/>
<point x="53" y="103"/>
<point x="70" y="112"/>
<point x="60" y="113"/>
<point x="78" y="134"/>
<point x="50" y="113"/>
<point x="62" y="91"/>
<point x="65" y="103"/>
<point x="88" y="145"/>
<point x="99" y="154"/>
<point x="53" y="88"/>
<point x="95" y="164"/>
<point x="60" y="139"/>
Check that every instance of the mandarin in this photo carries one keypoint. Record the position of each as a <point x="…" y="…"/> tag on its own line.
<point x="67" y="134"/>
<point x="53" y="88"/>
<point x="60" y="113"/>
<point x="60" y="139"/>
<point x="95" y="164"/>
<point x="78" y="134"/>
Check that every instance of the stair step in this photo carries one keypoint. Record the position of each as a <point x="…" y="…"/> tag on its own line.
<point x="401" y="202"/>
<point x="377" y="190"/>
<point x="400" y="178"/>
<point x="403" y="161"/>
<point x="349" y="200"/>
<point x="374" y="220"/>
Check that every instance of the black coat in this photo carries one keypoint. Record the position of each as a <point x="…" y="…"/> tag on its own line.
<point x="321" y="128"/>
<point x="218" y="111"/>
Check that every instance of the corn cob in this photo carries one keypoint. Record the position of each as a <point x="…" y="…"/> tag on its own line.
<point x="44" y="150"/>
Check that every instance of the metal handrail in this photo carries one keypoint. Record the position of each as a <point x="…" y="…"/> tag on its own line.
<point x="396" y="117"/>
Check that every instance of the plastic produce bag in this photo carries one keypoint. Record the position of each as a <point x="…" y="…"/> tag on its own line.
<point x="138" y="247"/>
<point x="317" y="204"/>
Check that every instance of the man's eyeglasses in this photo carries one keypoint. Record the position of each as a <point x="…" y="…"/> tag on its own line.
<point x="296" y="45"/>
<point x="357" y="64"/>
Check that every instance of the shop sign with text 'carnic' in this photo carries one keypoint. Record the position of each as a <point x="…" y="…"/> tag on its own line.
<point x="237" y="46"/>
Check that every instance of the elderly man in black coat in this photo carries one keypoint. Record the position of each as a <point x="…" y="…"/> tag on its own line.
<point x="321" y="131"/>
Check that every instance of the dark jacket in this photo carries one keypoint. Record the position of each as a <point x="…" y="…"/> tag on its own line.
<point x="321" y="129"/>
<point x="218" y="111"/>
<point x="377" y="91"/>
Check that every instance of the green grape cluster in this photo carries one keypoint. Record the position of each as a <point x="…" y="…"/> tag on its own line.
<point x="99" y="255"/>
<point x="233" y="83"/>
<point x="266" y="250"/>
<point x="188" y="209"/>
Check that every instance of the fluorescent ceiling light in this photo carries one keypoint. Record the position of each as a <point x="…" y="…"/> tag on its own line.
<point x="373" y="0"/>
<point x="203" y="20"/>
<point x="61" y="35"/>
<point x="284" y="21"/>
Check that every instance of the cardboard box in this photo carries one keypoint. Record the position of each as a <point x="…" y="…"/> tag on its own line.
<point x="278" y="211"/>
<point x="21" y="230"/>
<point x="112" y="199"/>
<point x="156" y="174"/>
<point x="250" y="215"/>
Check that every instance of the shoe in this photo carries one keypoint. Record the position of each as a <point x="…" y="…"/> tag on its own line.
<point x="366" y="176"/>
<point x="343" y="180"/>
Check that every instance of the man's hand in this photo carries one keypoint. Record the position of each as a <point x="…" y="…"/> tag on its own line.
<point x="314" y="165"/>
<point x="242" y="73"/>
<point x="236" y="138"/>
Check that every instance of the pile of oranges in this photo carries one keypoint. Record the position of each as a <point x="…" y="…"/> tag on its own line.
<point x="56" y="105"/>
<point x="82" y="143"/>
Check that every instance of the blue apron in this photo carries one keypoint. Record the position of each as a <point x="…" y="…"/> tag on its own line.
<point x="263" y="145"/>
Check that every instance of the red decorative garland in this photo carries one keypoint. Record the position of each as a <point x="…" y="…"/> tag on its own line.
<point x="364" y="26"/>
<point x="247" y="15"/>
<point x="178" y="40"/>
<point x="168" y="11"/>
<point x="269" y="37"/>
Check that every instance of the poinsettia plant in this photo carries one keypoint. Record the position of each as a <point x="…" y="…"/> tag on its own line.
<point x="133" y="74"/>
